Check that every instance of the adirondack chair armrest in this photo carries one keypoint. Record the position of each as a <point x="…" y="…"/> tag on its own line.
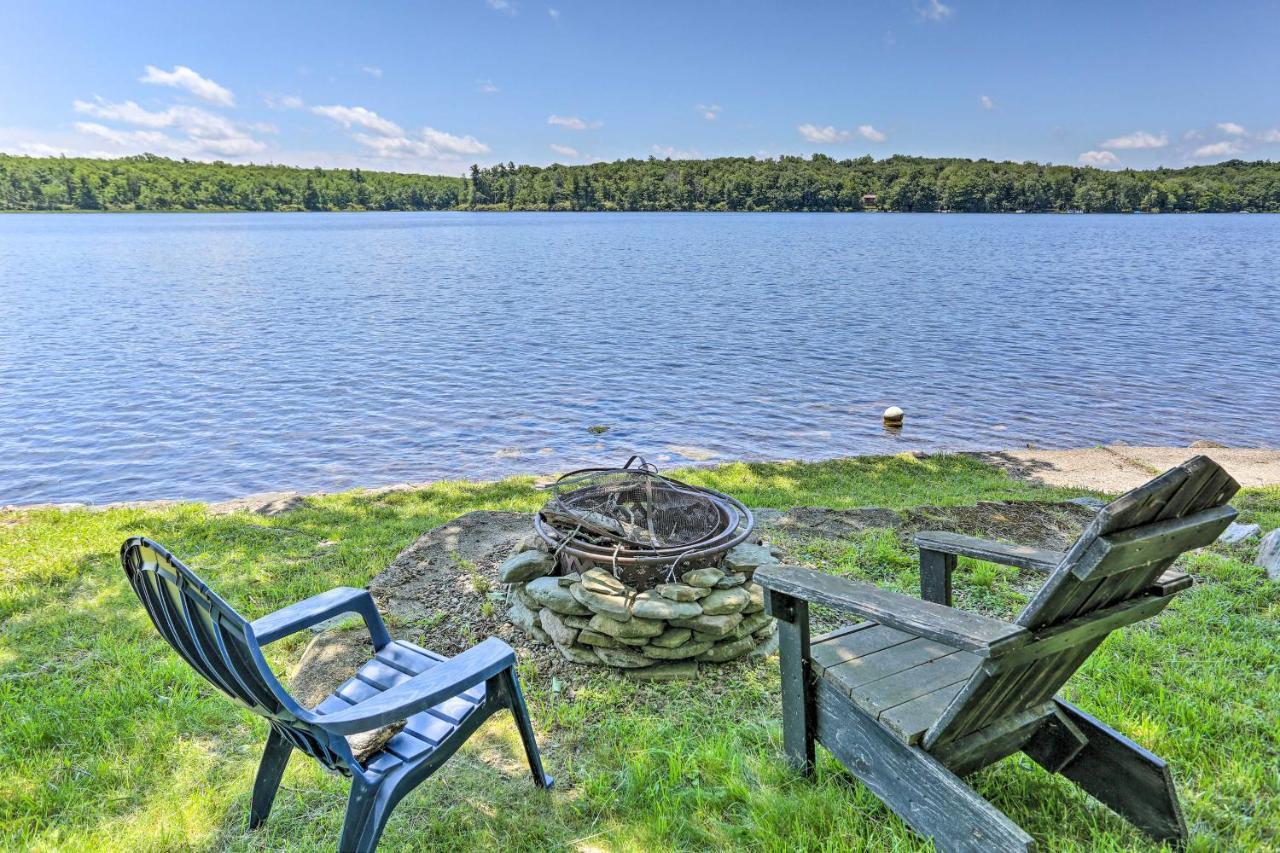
<point x="314" y="610"/>
<point x="980" y="634"/>
<point x="1004" y="553"/>
<point x="460" y="673"/>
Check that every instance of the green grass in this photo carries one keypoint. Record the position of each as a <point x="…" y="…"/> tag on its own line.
<point x="108" y="741"/>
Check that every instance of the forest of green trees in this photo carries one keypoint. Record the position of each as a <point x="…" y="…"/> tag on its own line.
<point x="818" y="183"/>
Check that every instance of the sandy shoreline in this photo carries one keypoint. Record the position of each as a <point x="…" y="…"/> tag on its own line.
<point x="1112" y="468"/>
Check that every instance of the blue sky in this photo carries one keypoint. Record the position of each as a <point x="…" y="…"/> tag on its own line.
<point x="436" y="86"/>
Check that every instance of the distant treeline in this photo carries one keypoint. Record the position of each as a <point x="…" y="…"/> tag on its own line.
<point x="819" y="183"/>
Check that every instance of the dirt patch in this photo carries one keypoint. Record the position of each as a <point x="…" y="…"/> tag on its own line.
<point x="1118" y="468"/>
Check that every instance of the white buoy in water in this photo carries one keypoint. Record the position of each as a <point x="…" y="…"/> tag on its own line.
<point x="893" y="416"/>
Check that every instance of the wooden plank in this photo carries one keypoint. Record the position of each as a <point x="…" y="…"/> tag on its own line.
<point x="927" y="796"/>
<point x="890" y="692"/>
<point x="971" y="631"/>
<point x="910" y="720"/>
<point x="1140" y="505"/>
<point x="1004" y="553"/>
<point x="936" y="568"/>
<point x="849" y="647"/>
<point x="840" y="632"/>
<point x="1170" y="582"/>
<point x="992" y="743"/>
<point x="1056" y="743"/>
<point x="1150" y="543"/>
<point x="1125" y="777"/>
<point x="884" y="663"/>
<point x="797" y="705"/>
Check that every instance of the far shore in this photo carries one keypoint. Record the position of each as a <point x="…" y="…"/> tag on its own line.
<point x="1109" y="469"/>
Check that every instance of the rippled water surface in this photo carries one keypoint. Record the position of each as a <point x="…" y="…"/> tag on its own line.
<point x="209" y="356"/>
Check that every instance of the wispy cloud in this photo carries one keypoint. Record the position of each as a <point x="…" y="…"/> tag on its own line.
<point x="710" y="112"/>
<point x="358" y="116"/>
<point x="933" y="10"/>
<point x="486" y="87"/>
<point x="505" y="6"/>
<point x="1272" y="135"/>
<point x="1231" y="128"/>
<point x="282" y="102"/>
<point x="1217" y="149"/>
<point x="203" y="132"/>
<point x="182" y="77"/>
<point x="554" y="13"/>
<point x="573" y="122"/>
<point x="389" y="139"/>
<point x="1097" y="158"/>
<point x="830" y="135"/>
<point x="866" y="131"/>
<point x="372" y="70"/>
<point x="1137" y="139"/>
<point x="565" y="150"/>
<point x="987" y="103"/>
<point x="669" y="152"/>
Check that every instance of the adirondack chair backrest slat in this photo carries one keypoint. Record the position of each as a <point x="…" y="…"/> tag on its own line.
<point x="219" y="644"/>
<point x="1130" y="543"/>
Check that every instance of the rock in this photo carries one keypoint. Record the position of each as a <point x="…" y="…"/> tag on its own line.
<point x="1091" y="503"/>
<point x="776" y="550"/>
<point x="757" y="598"/>
<point x="1237" y="533"/>
<point x="672" y="637"/>
<point x="705" y="578"/>
<point x="713" y="625"/>
<point x="560" y="633"/>
<point x="735" y="579"/>
<point x="579" y="654"/>
<point x="1269" y="554"/>
<point x="652" y="605"/>
<point x="682" y="592"/>
<point x="531" y="542"/>
<point x="702" y="637"/>
<point x="746" y="558"/>
<point x="724" y="601"/>
<point x="624" y="658"/>
<point x="751" y="624"/>
<point x="600" y="581"/>
<point x="578" y="622"/>
<point x="633" y="641"/>
<point x="526" y="566"/>
<point x="1207" y="443"/>
<point x="688" y="650"/>
<point x="610" y="605"/>
<point x="528" y="620"/>
<point x="665" y="672"/>
<point x="519" y="592"/>
<point x="767" y="647"/>
<point x="600" y="641"/>
<point x="731" y="650"/>
<point x="569" y="579"/>
<point x="548" y="592"/>
<point x="630" y="629"/>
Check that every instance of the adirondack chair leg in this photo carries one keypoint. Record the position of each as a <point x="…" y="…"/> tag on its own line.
<point x="509" y="684"/>
<point x="935" y="576"/>
<point x="274" y="759"/>
<point x="1130" y="780"/>
<point x="797" y="692"/>
<point x="360" y="808"/>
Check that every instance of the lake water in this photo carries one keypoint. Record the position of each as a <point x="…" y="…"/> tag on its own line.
<point x="210" y="356"/>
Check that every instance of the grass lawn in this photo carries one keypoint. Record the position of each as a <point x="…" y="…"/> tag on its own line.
<point x="109" y="741"/>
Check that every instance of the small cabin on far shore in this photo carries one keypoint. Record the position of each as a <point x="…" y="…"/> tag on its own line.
<point x="869" y="200"/>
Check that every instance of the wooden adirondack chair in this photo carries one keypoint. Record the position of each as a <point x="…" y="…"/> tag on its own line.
<point x="442" y="700"/>
<point x="919" y="694"/>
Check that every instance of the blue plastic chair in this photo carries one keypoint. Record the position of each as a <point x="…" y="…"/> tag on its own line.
<point x="442" y="700"/>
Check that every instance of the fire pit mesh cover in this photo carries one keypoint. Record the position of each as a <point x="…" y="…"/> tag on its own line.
<point x="633" y="507"/>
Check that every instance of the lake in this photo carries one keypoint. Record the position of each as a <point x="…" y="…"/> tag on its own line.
<point x="208" y="356"/>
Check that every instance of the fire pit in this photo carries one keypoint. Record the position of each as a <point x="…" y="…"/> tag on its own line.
<point x="639" y="571"/>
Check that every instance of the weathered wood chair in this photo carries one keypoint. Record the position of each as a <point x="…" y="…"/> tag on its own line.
<point x="442" y="700"/>
<point x="919" y="694"/>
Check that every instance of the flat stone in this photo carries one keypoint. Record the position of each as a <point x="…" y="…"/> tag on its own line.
<point x="723" y="601"/>
<point x="1237" y="533"/>
<point x="747" y="558"/>
<point x="578" y="622"/>
<point x="519" y="592"/>
<point x="672" y="637"/>
<point x="703" y="637"/>
<point x="579" y="654"/>
<point x="714" y="625"/>
<point x="751" y="624"/>
<point x="665" y="672"/>
<point x="632" y="641"/>
<point x="528" y="621"/>
<point x="600" y="641"/>
<point x="705" y="578"/>
<point x="560" y="633"/>
<point x="531" y="542"/>
<point x="1269" y="554"/>
<point x="547" y="592"/>
<point x="611" y="605"/>
<point x="682" y="592"/>
<point x="652" y="605"/>
<point x="735" y="579"/>
<point x="731" y="650"/>
<point x="688" y="650"/>
<point x="1091" y="503"/>
<point x="630" y="629"/>
<point x="623" y="658"/>
<point x="765" y="648"/>
<point x="600" y="581"/>
<point x="569" y="579"/>
<point x="757" y="598"/>
<point x="526" y="566"/>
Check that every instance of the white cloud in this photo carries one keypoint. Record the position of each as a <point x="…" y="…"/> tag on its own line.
<point x="866" y="131"/>
<point x="1137" y="139"/>
<point x="282" y="102"/>
<point x="671" y="153"/>
<point x="933" y="10"/>
<point x="1231" y="128"/>
<point x="1272" y="135"/>
<point x="987" y="103"/>
<point x="823" y="135"/>
<point x="1097" y="158"/>
<point x="359" y="116"/>
<point x="710" y="112"/>
<point x="371" y="70"/>
<point x="565" y="150"/>
<point x="206" y="132"/>
<point x="554" y="13"/>
<point x="182" y="77"/>
<point x="502" y="6"/>
<point x="572" y="122"/>
<point x="1217" y="149"/>
<point x="486" y="87"/>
